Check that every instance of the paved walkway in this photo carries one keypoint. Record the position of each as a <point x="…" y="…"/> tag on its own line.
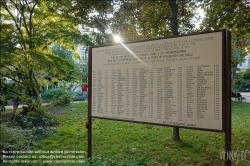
<point x="246" y="95"/>
<point x="20" y="106"/>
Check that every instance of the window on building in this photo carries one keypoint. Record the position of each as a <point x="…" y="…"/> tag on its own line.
<point x="84" y="56"/>
<point x="240" y="63"/>
<point x="69" y="53"/>
<point x="249" y="62"/>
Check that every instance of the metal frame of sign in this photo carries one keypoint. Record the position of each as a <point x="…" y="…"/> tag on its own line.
<point x="226" y="92"/>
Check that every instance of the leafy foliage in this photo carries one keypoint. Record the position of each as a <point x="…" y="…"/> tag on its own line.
<point x="233" y="16"/>
<point x="29" y="29"/>
<point x="83" y="70"/>
<point x="3" y="102"/>
<point x="63" y="52"/>
<point x="247" y="74"/>
<point x="59" y="96"/>
<point x="14" y="138"/>
<point x="246" y="78"/>
<point x="25" y="132"/>
<point x="242" y="80"/>
<point x="238" y="83"/>
<point x="35" y="108"/>
<point x="137" y="20"/>
<point x="41" y="127"/>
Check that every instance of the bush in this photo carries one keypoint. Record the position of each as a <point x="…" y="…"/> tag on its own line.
<point x="24" y="132"/>
<point x="35" y="109"/>
<point x="40" y="126"/>
<point x="247" y="74"/>
<point x="14" y="138"/>
<point x="238" y="84"/>
<point x="242" y="80"/>
<point x="59" y="96"/>
<point x="246" y="78"/>
<point x="3" y="102"/>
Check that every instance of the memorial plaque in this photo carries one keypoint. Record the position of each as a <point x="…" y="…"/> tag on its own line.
<point x="168" y="81"/>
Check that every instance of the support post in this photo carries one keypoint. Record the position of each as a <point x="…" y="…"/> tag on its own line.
<point x="228" y="111"/>
<point x="228" y="146"/>
<point x="89" y="127"/>
<point x="89" y="123"/>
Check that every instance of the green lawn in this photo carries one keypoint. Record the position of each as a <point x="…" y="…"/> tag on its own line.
<point x="124" y="142"/>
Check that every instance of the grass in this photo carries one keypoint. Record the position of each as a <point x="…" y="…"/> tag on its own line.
<point x="114" y="141"/>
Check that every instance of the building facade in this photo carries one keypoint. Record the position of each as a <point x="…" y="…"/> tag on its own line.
<point x="245" y="65"/>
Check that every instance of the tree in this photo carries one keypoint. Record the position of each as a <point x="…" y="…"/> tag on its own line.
<point x="233" y="16"/>
<point x="246" y="79"/>
<point x="29" y="28"/>
<point x="138" y="20"/>
<point x="83" y="69"/>
<point x="238" y="84"/>
<point x="238" y="55"/>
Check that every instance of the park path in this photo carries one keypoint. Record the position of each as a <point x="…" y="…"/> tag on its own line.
<point x="20" y="106"/>
<point x="246" y="95"/>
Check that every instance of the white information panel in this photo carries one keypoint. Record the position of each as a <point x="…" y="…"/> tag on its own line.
<point x="174" y="81"/>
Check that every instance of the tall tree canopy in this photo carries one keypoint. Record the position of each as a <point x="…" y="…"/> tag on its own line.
<point x="234" y="16"/>
<point x="137" y="20"/>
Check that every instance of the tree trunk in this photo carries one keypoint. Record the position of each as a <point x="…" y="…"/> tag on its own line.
<point x="15" y="105"/>
<point x="37" y="95"/>
<point x="35" y="86"/>
<point x="174" y="17"/>
<point x="233" y="76"/>
<point x="174" y="28"/>
<point x="176" y="134"/>
<point x="33" y="99"/>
